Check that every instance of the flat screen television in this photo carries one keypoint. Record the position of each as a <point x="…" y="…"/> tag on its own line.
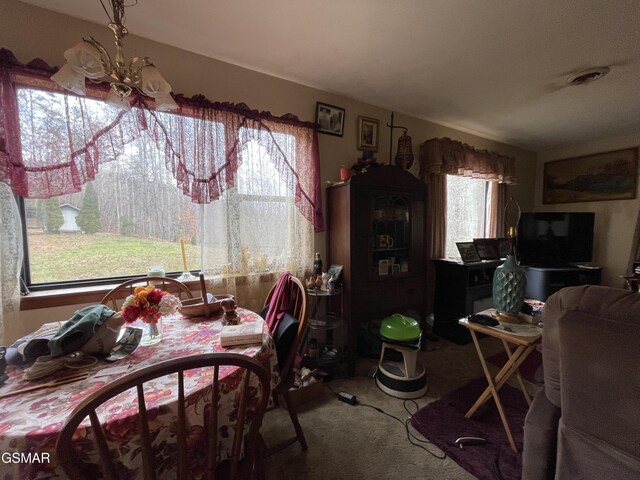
<point x="555" y="239"/>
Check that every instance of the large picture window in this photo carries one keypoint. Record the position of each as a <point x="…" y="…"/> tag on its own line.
<point x="107" y="194"/>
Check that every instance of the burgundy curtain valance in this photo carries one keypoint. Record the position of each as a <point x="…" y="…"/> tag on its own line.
<point x="447" y="156"/>
<point x="51" y="145"/>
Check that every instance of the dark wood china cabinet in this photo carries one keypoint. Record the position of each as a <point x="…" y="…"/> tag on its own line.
<point x="377" y="232"/>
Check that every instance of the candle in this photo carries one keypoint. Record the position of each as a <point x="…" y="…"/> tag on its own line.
<point x="184" y="256"/>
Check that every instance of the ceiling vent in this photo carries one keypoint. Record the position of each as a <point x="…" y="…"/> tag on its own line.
<point x="588" y="76"/>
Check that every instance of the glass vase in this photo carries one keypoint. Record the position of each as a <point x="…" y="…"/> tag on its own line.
<point x="151" y="333"/>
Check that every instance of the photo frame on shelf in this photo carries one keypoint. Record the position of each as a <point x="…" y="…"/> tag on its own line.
<point x="487" y="248"/>
<point x="468" y="252"/>
<point x="383" y="267"/>
<point x="504" y="246"/>
<point x="330" y="119"/>
<point x="335" y="271"/>
<point x="368" y="129"/>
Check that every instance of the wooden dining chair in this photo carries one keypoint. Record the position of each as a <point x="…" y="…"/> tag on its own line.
<point x="281" y="395"/>
<point x="117" y="295"/>
<point x="73" y="464"/>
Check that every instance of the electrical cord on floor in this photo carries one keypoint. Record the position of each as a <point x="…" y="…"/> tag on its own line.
<point x="413" y="439"/>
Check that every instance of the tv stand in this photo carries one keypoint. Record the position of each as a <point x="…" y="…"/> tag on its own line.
<point x="544" y="281"/>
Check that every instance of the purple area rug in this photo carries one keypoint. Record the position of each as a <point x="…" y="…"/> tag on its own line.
<point x="442" y="422"/>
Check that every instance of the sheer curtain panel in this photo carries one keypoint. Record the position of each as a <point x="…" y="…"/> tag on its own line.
<point x="10" y="259"/>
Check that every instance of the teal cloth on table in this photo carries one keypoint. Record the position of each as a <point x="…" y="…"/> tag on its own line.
<point x="79" y="329"/>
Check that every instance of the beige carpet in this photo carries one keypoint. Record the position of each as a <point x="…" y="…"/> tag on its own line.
<point x="357" y="442"/>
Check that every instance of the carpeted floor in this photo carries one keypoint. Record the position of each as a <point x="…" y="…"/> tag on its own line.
<point x="436" y="420"/>
<point x="353" y="442"/>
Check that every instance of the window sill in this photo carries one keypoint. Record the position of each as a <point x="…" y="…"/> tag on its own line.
<point x="74" y="296"/>
<point x="62" y="297"/>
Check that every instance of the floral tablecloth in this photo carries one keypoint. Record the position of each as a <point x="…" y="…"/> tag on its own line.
<point x="30" y="422"/>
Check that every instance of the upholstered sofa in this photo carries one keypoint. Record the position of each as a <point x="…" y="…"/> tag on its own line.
<point x="585" y="422"/>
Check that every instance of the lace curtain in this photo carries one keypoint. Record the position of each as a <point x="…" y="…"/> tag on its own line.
<point x="10" y="259"/>
<point x="256" y="175"/>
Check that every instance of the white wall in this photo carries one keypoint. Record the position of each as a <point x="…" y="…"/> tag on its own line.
<point x="30" y="32"/>
<point x="615" y="220"/>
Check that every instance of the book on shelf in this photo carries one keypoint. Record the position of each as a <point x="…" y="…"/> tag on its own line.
<point x="243" y="334"/>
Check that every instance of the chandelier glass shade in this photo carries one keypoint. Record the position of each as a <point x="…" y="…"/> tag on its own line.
<point x="89" y="59"/>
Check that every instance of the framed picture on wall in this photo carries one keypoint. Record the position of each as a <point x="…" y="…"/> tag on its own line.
<point x="368" y="133"/>
<point x="330" y="119"/>
<point x="591" y="178"/>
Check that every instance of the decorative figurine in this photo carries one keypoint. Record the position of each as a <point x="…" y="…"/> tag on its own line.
<point x="317" y="265"/>
<point x="230" y="316"/>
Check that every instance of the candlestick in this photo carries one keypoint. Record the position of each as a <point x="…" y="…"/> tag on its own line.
<point x="184" y="256"/>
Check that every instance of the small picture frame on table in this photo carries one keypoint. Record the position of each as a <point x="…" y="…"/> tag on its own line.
<point x="504" y="246"/>
<point x="487" y="248"/>
<point x="368" y="133"/>
<point x="330" y="119"/>
<point x="335" y="271"/>
<point x="468" y="252"/>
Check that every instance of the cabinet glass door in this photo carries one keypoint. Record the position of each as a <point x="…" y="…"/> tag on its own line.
<point x="390" y="240"/>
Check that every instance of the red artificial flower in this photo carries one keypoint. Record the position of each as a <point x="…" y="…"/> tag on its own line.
<point x="131" y="313"/>
<point x="150" y="315"/>
<point x="155" y="296"/>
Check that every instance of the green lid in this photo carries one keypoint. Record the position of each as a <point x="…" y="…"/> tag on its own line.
<point x="400" y="328"/>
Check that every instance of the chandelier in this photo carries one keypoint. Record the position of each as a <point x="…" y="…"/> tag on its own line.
<point x="89" y="59"/>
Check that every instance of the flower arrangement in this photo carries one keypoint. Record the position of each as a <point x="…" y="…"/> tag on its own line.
<point x="149" y="304"/>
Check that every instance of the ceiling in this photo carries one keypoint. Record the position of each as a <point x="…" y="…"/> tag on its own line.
<point x="494" y="68"/>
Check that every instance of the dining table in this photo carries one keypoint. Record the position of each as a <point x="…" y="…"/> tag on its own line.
<point x="30" y="422"/>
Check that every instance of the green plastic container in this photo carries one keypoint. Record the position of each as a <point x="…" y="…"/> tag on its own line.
<point x="399" y="328"/>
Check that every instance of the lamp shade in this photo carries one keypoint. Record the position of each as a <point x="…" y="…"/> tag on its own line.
<point x="69" y="79"/>
<point x="152" y="83"/>
<point x="165" y="103"/>
<point x="86" y="60"/>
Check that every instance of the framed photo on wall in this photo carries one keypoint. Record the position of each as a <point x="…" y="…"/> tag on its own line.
<point x="330" y="119"/>
<point x="368" y="133"/>
<point x="591" y="178"/>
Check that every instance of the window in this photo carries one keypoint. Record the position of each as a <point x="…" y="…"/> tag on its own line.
<point x="468" y="201"/>
<point x="133" y="215"/>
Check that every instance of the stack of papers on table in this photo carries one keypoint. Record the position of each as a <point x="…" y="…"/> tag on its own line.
<point x="243" y="334"/>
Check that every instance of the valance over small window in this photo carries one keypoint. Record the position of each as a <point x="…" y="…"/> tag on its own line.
<point x="447" y="156"/>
